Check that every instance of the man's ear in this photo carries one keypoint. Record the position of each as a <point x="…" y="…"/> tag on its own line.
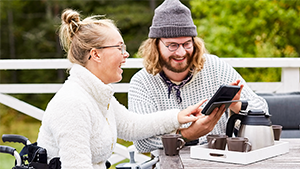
<point x="95" y="55"/>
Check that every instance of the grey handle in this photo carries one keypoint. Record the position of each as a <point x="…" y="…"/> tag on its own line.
<point x="15" y="138"/>
<point x="148" y="164"/>
<point x="12" y="151"/>
<point x="7" y="149"/>
<point x="213" y="143"/>
<point x="181" y="144"/>
<point x="248" y="147"/>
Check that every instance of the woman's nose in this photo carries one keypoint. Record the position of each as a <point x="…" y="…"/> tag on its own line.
<point x="126" y="54"/>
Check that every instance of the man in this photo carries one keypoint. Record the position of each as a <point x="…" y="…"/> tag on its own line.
<point x="178" y="72"/>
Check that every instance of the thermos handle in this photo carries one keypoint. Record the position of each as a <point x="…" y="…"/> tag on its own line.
<point x="231" y="122"/>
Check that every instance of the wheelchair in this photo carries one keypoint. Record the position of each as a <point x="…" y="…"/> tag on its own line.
<point x="31" y="156"/>
<point x="35" y="157"/>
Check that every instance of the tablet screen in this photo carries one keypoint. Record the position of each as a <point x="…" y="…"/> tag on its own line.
<point x="224" y="93"/>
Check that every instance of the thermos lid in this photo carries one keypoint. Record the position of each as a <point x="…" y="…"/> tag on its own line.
<point x="257" y="117"/>
<point x="256" y="112"/>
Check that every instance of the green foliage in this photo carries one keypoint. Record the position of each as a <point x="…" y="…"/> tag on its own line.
<point x="260" y="74"/>
<point x="238" y="28"/>
<point x="133" y="21"/>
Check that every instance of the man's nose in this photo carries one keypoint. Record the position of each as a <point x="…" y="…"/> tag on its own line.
<point x="181" y="51"/>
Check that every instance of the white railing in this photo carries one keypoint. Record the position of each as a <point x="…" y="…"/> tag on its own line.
<point x="289" y="74"/>
<point x="289" y="82"/>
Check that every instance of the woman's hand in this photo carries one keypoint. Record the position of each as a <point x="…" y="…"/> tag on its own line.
<point x="185" y="115"/>
<point x="236" y="106"/>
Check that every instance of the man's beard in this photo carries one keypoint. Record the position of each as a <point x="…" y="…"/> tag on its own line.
<point x="167" y="63"/>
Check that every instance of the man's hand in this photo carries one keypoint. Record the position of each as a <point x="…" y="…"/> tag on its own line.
<point x="236" y="106"/>
<point x="203" y="125"/>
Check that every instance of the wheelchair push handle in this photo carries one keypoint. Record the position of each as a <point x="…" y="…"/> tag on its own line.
<point x="12" y="151"/>
<point x="15" y="138"/>
<point x="7" y="149"/>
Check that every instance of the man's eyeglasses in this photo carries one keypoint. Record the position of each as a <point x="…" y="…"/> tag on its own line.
<point x="122" y="48"/>
<point x="174" y="46"/>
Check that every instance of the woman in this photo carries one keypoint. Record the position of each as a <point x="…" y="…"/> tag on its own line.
<point x="83" y="120"/>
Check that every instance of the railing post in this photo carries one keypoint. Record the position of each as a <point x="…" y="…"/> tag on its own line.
<point x="290" y="79"/>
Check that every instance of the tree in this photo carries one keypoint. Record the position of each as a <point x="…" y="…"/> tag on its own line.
<point x="29" y="31"/>
<point x="238" y="28"/>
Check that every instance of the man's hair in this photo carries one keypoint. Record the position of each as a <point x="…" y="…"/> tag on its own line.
<point x="150" y="52"/>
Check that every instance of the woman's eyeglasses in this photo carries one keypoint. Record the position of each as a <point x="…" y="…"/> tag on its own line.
<point x="122" y="48"/>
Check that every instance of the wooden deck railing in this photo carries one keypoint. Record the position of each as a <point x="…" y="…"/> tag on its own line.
<point x="289" y="83"/>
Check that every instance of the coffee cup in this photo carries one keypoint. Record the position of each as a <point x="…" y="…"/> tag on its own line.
<point x="172" y="144"/>
<point x="240" y="144"/>
<point x="217" y="141"/>
<point x="277" y="131"/>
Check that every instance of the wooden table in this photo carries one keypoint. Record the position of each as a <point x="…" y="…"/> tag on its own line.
<point x="288" y="160"/>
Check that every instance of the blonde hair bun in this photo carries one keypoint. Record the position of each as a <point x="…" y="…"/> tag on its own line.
<point x="78" y="37"/>
<point x="71" y="18"/>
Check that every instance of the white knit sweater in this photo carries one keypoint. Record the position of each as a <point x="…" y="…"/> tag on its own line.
<point x="148" y="93"/>
<point x="83" y="120"/>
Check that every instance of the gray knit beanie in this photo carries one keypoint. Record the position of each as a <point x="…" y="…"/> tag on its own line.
<point x="172" y="19"/>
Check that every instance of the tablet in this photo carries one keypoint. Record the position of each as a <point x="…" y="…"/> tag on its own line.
<point x="224" y="94"/>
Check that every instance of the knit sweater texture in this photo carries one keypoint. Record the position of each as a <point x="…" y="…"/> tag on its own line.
<point x="83" y="120"/>
<point x="148" y="93"/>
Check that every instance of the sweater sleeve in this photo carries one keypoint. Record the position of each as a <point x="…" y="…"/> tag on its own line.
<point x="140" y="101"/>
<point x="132" y="126"/>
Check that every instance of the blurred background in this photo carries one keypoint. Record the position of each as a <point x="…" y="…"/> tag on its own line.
<point x="230" y="28"/>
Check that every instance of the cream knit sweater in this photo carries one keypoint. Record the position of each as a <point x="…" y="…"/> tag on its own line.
<point x="83" y="120"/>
